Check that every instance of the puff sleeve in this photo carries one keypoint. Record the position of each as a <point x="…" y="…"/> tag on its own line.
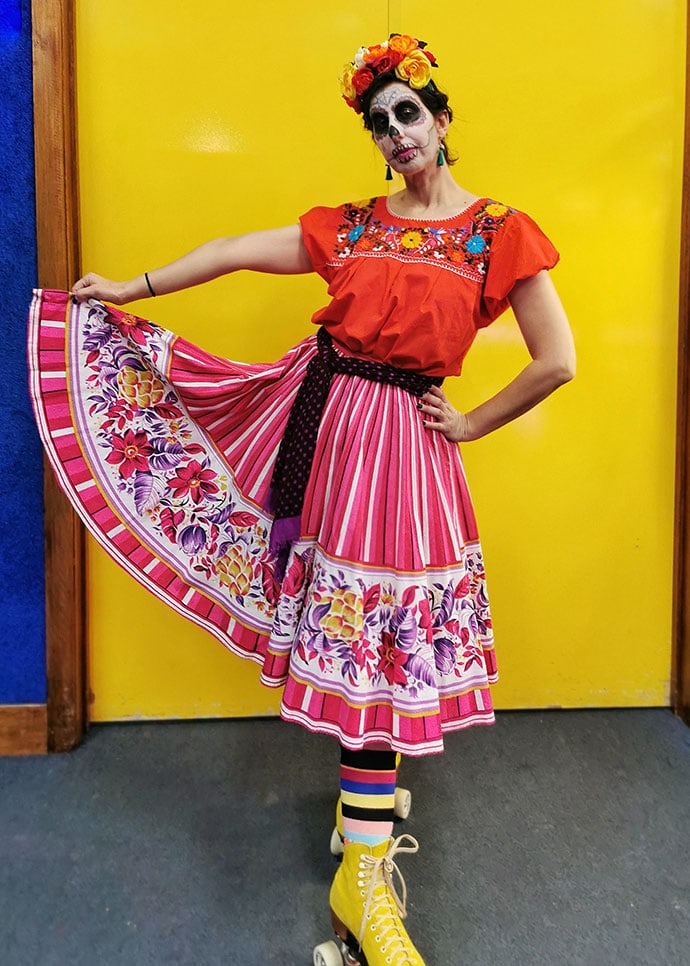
<point x="319" y="228"/>
<point x="520" y="250"/>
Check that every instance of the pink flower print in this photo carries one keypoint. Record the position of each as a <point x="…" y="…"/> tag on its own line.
<point x="392" y="660"/>
<point x="294" y="578"/>
<point x="132" y="327"/>
<point x="195" y="480"/>
<point x="130" y="453"/>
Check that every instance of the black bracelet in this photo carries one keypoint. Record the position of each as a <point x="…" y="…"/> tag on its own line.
<point x="146" y="276"/>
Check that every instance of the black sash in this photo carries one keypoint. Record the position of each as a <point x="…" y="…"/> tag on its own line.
<point x="297" y="447"/>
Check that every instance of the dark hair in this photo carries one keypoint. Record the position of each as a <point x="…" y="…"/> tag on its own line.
<point x="434" y="99"/>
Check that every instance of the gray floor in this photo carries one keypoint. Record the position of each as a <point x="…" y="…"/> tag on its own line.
<point x="552" y="838"/>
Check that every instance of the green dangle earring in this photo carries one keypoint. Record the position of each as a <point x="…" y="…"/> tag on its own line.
<point x="389" y="173"/>
<point x="440" y="160"/>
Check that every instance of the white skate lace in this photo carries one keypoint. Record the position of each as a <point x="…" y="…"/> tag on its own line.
<point x="378" y="909"/>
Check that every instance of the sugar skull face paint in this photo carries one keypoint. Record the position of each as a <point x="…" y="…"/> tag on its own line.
<point x="405" y="131"/>
<point x="403" y="112"/>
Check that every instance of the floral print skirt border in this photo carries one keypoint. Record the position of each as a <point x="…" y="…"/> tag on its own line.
<point x="380" y="629"/>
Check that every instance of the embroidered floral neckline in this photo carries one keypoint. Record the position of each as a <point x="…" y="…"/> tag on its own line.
<point x="418" y="218"/>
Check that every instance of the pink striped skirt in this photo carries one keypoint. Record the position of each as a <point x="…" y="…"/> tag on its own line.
<point x="380" y="630"/>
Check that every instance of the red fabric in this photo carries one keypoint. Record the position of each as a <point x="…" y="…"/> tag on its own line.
<point x="414" y="293"/>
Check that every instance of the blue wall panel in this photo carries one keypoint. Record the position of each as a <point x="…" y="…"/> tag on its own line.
<point x="22" y="631"/>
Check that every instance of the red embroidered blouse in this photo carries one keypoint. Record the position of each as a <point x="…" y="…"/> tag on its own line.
<point x="413" y="293"/>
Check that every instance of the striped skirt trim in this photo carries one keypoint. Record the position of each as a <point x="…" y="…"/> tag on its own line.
<point x="380" y="629"/>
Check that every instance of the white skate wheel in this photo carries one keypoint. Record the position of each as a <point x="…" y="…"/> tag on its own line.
<point x="337" y="847"/>
<point x="403" y="802"/>
<point x="327" y="954"/>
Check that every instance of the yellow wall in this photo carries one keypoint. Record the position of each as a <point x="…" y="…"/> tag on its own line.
<point x="573" y="114"/>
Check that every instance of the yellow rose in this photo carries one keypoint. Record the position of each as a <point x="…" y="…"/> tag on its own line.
<point x="496" y="210"/>
<point x="345" y="618"/>
<point x="415" y="69"/>
<point x="411" y="239"/>
<point x="346" y="82"/>
<point x="402" y="44"/>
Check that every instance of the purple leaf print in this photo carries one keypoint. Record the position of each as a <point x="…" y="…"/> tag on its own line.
<point x="320" y="643"/>
<point x="446" y="608"/>
<point x="192" y="539"/>
<point x="107" y="375"/>
<point x="404" y="627"/>
<point x="222" y="515"/>
<point x="97" y="338"/>
<point x="98" y="311"/>
<point x="146" y="492"/>
<point x="319" y="612"/>
<point x="166" y="455"/>
<point x="444" y="655"/>
<point x="417" y="667"/>
<point x="123" y="356"/>
<point x="99" y="403"/>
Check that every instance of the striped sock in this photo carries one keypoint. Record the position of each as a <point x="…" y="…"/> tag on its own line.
<point x="367" y="792"/>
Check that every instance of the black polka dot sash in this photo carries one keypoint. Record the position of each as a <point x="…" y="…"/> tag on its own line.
<point x="297" y="447"/>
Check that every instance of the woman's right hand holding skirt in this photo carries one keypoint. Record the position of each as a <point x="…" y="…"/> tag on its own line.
<point x="92" y="286"/>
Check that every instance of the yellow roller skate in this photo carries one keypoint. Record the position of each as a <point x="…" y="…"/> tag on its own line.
<point x="401" y="809"/>
<point x="367" y="911"/>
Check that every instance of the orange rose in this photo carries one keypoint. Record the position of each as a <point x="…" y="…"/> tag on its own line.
<point x="403" y="44"/>
<point x="415" y="69"/>
<point x="373" y="53"/>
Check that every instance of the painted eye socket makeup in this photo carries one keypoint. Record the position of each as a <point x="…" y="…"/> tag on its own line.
<point x="405" y="112"/>
<point x="379" y="124"/>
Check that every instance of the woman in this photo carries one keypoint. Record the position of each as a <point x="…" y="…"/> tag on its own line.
<point x="313" y="514"/>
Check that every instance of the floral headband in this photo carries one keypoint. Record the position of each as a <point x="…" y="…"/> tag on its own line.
<point x="405" y="55"/>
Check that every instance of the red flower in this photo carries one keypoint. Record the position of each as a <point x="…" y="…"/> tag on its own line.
<point x="355" y="105"/>
<point x="130" y="453"/>
<point x="294" y="578"/>
<point x="130" y="325"/>
<point x="195" y="480"/>
<point x="362" y="80"/>
<point x="392" y="660"/>
<point x="386" y="62"/>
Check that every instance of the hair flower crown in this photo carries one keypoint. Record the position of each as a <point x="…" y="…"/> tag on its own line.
<point x="405" y="55"/>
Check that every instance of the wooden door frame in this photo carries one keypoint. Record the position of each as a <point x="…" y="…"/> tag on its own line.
<point x="57" y="203"/>
<point x="58" y="246"/>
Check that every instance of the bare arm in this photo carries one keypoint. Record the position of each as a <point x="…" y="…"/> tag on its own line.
<point x="279" y="250"/>
<point x="548" y="338"/>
